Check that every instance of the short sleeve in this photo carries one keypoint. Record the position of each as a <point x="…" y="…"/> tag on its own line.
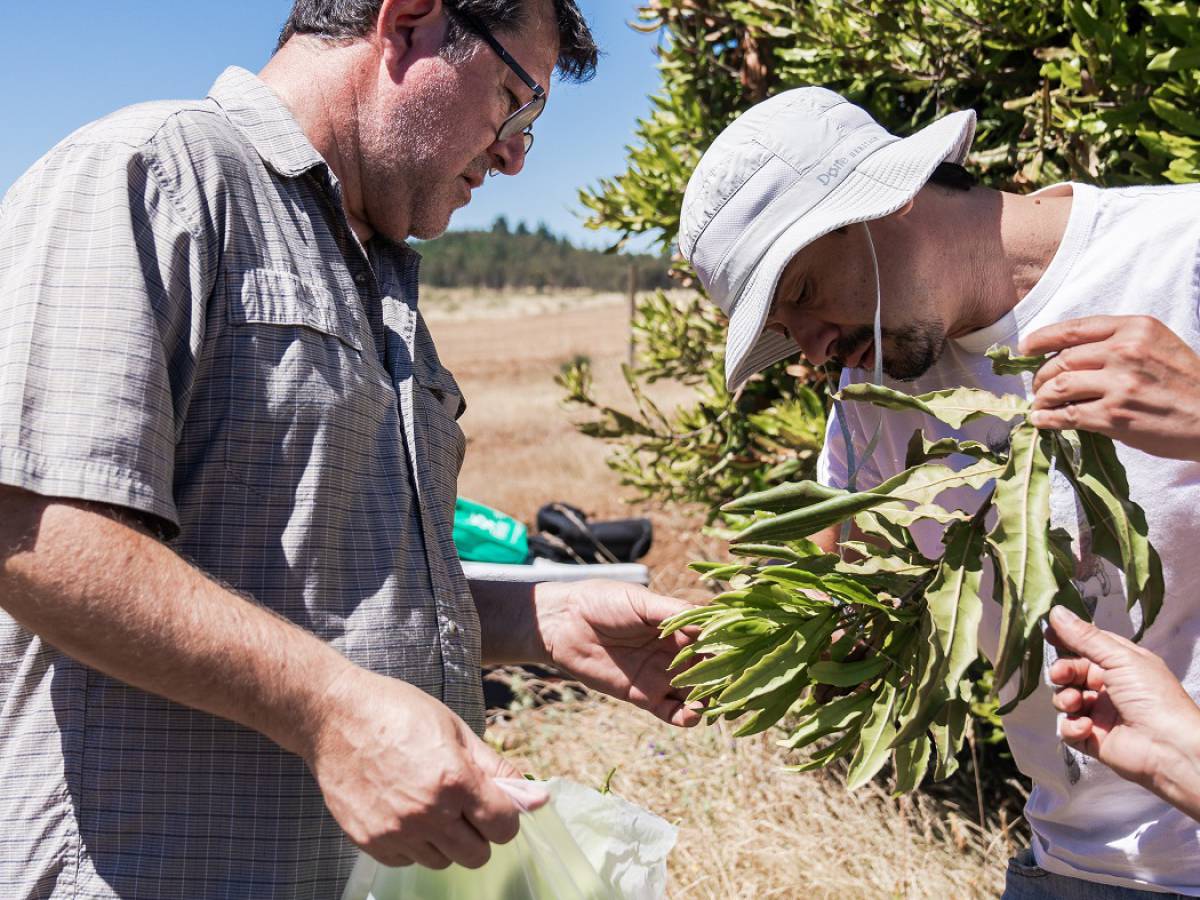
<point x="102" y="296"/>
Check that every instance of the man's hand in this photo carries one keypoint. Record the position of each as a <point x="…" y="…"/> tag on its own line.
<point x="606" y="634"/>
<point x="1126" y="709"/>
<point x="1128" y="377"/>
<point x="406" y="778"/>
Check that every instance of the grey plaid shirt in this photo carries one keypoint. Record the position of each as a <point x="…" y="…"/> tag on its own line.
<point x="189" y="329"/>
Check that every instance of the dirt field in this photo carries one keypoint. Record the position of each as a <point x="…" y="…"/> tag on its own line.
<point x="747" y="830"/>
<point x="522" y="450"/>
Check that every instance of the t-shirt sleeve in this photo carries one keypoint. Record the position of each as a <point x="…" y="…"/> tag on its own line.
<point x="102" y="296"/>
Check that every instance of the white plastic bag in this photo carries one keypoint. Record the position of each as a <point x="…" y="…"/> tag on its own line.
<point x="582" y="845"/>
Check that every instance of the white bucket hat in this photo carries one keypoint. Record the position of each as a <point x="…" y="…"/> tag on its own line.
<point x="786" y="172"/>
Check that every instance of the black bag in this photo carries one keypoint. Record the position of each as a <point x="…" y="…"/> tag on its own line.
<point x="566" y="535"/>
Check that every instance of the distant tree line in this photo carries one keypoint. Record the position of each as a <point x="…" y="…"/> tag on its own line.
<point x="506" y="257"/>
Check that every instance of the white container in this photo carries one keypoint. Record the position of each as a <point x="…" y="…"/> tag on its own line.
<point x="546" y="570"/>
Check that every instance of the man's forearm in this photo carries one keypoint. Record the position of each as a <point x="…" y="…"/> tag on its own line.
<point x="507" y="622"/>
<point x="1177" y="771"/>
<point x="116" y="599"/>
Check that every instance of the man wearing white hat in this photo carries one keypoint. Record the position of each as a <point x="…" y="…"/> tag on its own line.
<point x="819" y="232"/>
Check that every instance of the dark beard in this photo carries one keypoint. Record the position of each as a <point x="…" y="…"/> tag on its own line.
<point x="908" y="352"/>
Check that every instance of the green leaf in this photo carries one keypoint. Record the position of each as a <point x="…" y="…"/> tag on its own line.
<point x="1031" y="670"/>
<point x="912" y="762"/>
<point x="841" y="747"/>
<point x="719" y="668"/>
<point x="1020" y="544"/>
<point x="783" y="665"/>
<point x="949" y="626"/>
<point x="850" y="674"/>
<point x="948" y="731"/>
<point x="764" y="718"/>
<point x="955" y="406"/>
<point x="919" y="485"/>
<point x="1063" y="561"/>
<point x="875" y="740"/>
<point x="842" y="587"/>
<point x="906" y="517"/>
<point x="878" y="564"/>
<point x="719" y="571"/>
<point x="809" y="569"/>
<point x="1177" y="59"/>
<point x="782" y="552"/>
<point x="1119" y="530"/>
<point x="890" y="536"/>
<point x="921" y="449"/>
<point x="694" y="616"/>
<point x="784" y="497"/>
<point x="1005" y="362"/>
<point x="1175" y="116"/>
<point x="828" y="718"/>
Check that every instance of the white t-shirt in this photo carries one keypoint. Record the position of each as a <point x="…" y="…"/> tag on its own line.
<point x="1125" y="252"/>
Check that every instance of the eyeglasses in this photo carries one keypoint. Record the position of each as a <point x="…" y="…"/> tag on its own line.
<point x="520" y="121"/>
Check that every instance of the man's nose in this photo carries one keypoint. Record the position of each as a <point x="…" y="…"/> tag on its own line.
<point x="815" y="338"/>
<point x="508" y="156"/>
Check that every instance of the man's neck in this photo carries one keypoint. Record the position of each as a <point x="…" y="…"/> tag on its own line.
<point x="318" y="85"/>
<point x="1010" y="241"/>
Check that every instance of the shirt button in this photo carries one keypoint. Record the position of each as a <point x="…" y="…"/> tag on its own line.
<point x="360" y="279"/>
<point x="452" y="628"/>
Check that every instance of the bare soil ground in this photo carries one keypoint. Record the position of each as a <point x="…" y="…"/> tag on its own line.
<point x="522" y="449"/>
<point x="747" y="829"/>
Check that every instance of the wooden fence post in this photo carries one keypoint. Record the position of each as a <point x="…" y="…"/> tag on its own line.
<point x="632" y="312"/>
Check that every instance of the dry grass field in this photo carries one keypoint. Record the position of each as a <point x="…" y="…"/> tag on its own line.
<point x="747" y="829"/>
<point x="522" y="450"/>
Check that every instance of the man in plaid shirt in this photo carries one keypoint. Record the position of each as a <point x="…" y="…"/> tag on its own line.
<point x="236" y="642"/>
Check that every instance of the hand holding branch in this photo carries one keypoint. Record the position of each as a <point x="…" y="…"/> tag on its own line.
<point x="1127" y="377"/>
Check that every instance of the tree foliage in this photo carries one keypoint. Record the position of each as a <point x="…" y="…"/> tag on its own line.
<point x="1103" y="91"/>
<point x="507" y="257"/>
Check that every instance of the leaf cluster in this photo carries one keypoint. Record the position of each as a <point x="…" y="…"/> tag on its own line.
<point x="897" y="631"/>
<point x="1101" y="91"/>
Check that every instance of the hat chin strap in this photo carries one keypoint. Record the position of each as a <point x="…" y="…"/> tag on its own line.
<point x="854" y="466"/>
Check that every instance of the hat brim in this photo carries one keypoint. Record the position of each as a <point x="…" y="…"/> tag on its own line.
<point x="880" y="185"/>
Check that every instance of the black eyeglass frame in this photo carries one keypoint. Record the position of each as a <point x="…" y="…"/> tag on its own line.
<point x="520" y="120"/>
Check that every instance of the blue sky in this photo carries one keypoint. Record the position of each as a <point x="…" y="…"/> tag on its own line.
<point x="65" y="63"/>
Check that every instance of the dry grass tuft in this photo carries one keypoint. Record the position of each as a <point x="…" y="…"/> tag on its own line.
<point x="749" y="829"/>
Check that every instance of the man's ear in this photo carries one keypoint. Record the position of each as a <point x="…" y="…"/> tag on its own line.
<point x="905" y="209"/>
<point x="405" y="26"/>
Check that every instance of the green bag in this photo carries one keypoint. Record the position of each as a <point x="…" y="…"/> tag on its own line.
<point x="483" y="534"/>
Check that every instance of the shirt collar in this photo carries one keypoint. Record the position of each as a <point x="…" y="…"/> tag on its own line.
<point x="270" y="127"/>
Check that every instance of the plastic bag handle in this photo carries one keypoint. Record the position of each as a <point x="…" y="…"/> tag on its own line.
<point x="526" y="795"/>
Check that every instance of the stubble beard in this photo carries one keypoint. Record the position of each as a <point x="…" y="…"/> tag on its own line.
<point x="402" y="174"/>
<point x="908" y="352"/>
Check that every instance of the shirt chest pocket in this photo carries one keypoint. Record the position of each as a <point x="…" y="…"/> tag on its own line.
<point x="307" y="409"/>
